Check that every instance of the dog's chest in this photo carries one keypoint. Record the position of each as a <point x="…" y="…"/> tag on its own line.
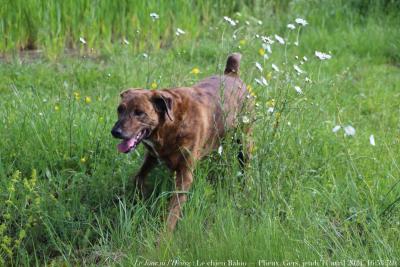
<point x="150" y="145"/>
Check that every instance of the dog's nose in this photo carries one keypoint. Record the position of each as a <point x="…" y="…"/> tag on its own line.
<point x="116" y="132"/>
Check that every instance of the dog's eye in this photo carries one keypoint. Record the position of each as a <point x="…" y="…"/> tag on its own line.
<point x="121" y="109"/>
<point x="137" y="112"/>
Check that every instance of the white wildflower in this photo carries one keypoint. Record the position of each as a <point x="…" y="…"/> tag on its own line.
<point x="259" y="22"/>
<point x="264" y="81"/>
<point x="179" y="32"/>
<point x="336" y="128"/>
<point x="270" y="110"/>
<point x="154" y="16"/>
<point x="275" y="68"/>
<point x="245" y="119"/>
<point x="301" y="21"/>
<point x="259" y="67"/>
<point x="267" y="40"/>
<point x="126" y="41"/>
<point x="220" y="150"/>
<point x="298" y="90"/>
<point x="230" y="21"/>
<point x="261" y="81"/>
<point x="82" y="40"/>
<point x="297" y="68"/>
<point x="349" y="130"/>
<point x="267" y="47"/>
<point x="305" y="58"/>
<point x="291" y="26"/>
<point x="279" y="39"/>
<point x="145" y="55"/>
<point x="372" y="140"/>
<point x="308" y="80"/>
<point x="322" y="56"/>
<point x="296" y="43"/>
<point x="247" y="22"/>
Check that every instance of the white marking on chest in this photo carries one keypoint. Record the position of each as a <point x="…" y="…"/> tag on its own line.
<point x="151" y="144"/>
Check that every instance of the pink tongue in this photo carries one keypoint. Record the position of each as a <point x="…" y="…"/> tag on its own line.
<point x="126" y="145"/>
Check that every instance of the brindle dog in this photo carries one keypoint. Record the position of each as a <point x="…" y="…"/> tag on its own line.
<point x="180" y="126"/>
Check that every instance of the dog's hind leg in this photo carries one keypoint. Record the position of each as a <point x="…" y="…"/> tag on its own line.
<point x="149" y="163"/>
<point x="246" y="146"/>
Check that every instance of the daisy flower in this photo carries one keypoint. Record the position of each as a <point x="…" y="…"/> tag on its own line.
<point x="372" y="140"/>
<point x="322" y="56"/>
<point x="220" y="149"/>
<point x="267" y="40"/>
<point x="349" y="130"/>
<point x="301" y="21"/>
<point x="245" y="119"/>
<point x="267" y="47"/>
<point x="259" y="67"/>
<point x="297" y="68"/>
<point x="279" y="39"/>
<point x="298" y="90"/>
<point x="275" y="68"/>
<point x="154" y="16"/>
<point x="336" y="128"/>
<point x="291" y="26"/>
<point x="179" y="32"/>
<point x="230" y="21"/>
<point x="262" y="81"/>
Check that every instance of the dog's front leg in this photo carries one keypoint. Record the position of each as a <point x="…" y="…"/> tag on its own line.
<point x="149" y="162"/>
<point x="183" y="182"/>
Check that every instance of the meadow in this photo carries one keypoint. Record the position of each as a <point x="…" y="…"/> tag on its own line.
<point x="323" y="182"/>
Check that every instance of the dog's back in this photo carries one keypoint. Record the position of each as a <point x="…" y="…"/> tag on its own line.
<point x="226" y="93"/>
<point x="213" y="104"/>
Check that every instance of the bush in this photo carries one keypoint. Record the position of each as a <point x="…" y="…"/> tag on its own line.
<point x="19" y="211"/>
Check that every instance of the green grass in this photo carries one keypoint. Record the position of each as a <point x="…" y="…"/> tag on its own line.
<point x="66" y="197"/>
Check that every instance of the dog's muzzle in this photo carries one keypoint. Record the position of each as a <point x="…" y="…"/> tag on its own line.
<point x="117" y="133"/>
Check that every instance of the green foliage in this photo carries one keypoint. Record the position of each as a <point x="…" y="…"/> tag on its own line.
<point x="57" y="25"/>
<point x="20" y="208"/>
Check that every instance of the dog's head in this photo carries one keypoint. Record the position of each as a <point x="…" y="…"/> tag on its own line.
<point x="140" y="112"/>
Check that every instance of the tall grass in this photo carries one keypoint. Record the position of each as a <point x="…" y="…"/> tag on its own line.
<point x="59" y="25"/>
<point x="308" y="194"/>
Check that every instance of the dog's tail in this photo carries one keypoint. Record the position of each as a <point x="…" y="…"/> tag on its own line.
<point x="232" y="64"/>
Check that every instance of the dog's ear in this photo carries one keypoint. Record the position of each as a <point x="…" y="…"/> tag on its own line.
<point x="128" y="92"/>
<point x="123" y="94"/>
<point x="163" y="104"/>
